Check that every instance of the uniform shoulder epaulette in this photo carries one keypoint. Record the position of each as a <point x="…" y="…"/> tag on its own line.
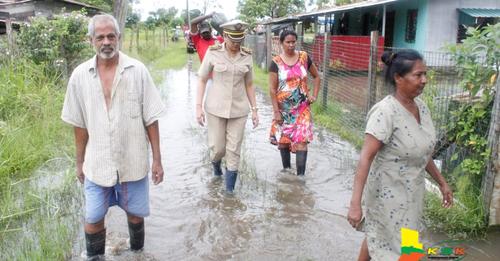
<point x="215" y="46"/>
<point x="246" y="50"/>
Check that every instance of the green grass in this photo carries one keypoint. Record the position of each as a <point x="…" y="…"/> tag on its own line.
<point x="466" y="219"/>
<point x="154" y="55"/>
<point x="261" y="79"/>
<point x="40" y="222"/>
<point x="31" y="133"/>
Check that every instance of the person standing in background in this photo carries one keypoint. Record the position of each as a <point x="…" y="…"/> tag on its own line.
<point x="201" y="35"/>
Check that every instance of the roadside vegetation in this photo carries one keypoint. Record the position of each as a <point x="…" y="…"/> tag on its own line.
<point x="40" y="199"/>
<point x="478" y="60"/>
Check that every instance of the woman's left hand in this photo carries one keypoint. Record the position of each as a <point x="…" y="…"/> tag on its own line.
<point x="447" y="195"/>
<point x="255" y="119"/>
<point x="311" y="99"/>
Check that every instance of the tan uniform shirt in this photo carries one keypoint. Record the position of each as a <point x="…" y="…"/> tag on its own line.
<point x="118" y="143"/>
<point x="227" y="97"/>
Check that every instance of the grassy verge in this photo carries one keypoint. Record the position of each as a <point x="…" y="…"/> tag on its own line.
<point x="154" y="55"/>
<point x="33" y="215"/>
<point x="465" y="220"/>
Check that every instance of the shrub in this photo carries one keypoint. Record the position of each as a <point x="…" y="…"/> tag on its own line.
<point x="59" y="42"/>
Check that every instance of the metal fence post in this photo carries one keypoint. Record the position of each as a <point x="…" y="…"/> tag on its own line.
<point x="269" y="47"/>
<point x="326" y="59"/>
<point x="372" y="71"/>
<point x="491" y="179"/>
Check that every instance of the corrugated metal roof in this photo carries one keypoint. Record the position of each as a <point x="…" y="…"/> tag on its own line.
<point x="348" y="7"/>
<point x="335" y="9"/>
<point x="481" y="12"/>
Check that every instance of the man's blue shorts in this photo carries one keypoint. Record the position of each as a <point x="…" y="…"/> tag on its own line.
<point x="133" y="197"/>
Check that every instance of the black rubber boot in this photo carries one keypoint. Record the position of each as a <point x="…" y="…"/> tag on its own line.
<point x="285" y="158"/>
<point x="301" y="159"/>
<point x="230" y="180"/>
<point x="217" y="168"/>
<point x="96" y="244"/>
<point x="136" y="232"/>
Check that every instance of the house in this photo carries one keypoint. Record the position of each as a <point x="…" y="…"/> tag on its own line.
<point x="420" y="24"/>
<point x="18" y="11"/>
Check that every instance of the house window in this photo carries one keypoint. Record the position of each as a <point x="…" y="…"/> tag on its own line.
<point x="411" y="25"/>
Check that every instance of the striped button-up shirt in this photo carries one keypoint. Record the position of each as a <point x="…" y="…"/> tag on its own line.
<point x="117" y="148"/>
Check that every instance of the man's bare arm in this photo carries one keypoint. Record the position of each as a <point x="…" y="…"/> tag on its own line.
<point x="81" y="139"/>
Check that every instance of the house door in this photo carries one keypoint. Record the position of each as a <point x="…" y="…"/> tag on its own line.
<point x="389" y="28"/>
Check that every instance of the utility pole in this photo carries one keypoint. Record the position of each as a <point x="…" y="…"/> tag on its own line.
<point x="188" y="15"/>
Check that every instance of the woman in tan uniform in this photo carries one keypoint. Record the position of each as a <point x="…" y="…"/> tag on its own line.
<point x="399" y="141"/>
<point x="229" y="99"/>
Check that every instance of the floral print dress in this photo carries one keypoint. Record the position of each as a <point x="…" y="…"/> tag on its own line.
<point x="394" y="192"/>
<point x="292" y="102"/>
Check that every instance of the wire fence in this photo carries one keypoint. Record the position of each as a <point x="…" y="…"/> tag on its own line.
<point x="352" y="81"/>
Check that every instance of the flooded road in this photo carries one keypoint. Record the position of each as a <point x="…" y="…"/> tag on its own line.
<point x="273" y="215"/>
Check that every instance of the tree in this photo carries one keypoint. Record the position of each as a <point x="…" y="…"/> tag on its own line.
<point x="120" y="8"/>
<point x="346" y="2"/>
<point x="193" y="13"/>
<point x="251" y="10"/>
<point x="105" y="5"/>
<point x="320" y="4"/>
<point x="150" y="24"/>
<point x="210" y="4"/>
<point x="165" y="18"/>
<point x="132" y="22"/>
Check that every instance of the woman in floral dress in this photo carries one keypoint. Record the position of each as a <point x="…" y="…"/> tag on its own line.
<point x="399" y="142"/>
<point x="291" y="101"/>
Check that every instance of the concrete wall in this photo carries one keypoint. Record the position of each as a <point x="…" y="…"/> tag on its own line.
<point x="401" y="9"/>
<point x="442" y="20"/>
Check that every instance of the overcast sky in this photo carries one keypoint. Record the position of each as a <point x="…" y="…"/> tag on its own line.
<point x="228" y="7"/>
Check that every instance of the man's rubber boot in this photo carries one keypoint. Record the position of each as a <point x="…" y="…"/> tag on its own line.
<point x="301" y="159"/>
<point x="285" y="158"/>
<point x="230" y="180"/>
<point x="136" y="233"/>
<point x="96" y="244"/>
<point x="217" y="168"/>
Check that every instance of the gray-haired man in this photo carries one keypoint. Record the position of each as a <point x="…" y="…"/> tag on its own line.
<point x="114" y="107"/>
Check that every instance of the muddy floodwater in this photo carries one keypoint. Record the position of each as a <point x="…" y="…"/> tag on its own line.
<point x="272" y="216"/>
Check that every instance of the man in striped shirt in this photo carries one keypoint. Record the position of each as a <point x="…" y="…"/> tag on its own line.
<point x="114" y="107"/>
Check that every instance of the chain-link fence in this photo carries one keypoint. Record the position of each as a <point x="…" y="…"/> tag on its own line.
<point x="352" y="80"/>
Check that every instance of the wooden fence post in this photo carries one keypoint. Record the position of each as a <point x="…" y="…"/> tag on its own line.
<point x="325" y="66"/>
<point x="491" y="179"/>
<point x="269" y="46"/>
<point x="10" y="37"/>
<point x="372" y="71"/>
<point x="300" y="34"/>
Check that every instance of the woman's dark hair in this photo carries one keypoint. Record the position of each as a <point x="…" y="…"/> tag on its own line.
<point x="286" y="33"/>
<point x="399" y="63"/>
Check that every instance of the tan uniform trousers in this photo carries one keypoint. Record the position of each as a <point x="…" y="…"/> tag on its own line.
<point x="224" y="139"/>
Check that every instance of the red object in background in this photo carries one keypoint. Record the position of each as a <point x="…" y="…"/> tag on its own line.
<point x="347" y="52"/>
